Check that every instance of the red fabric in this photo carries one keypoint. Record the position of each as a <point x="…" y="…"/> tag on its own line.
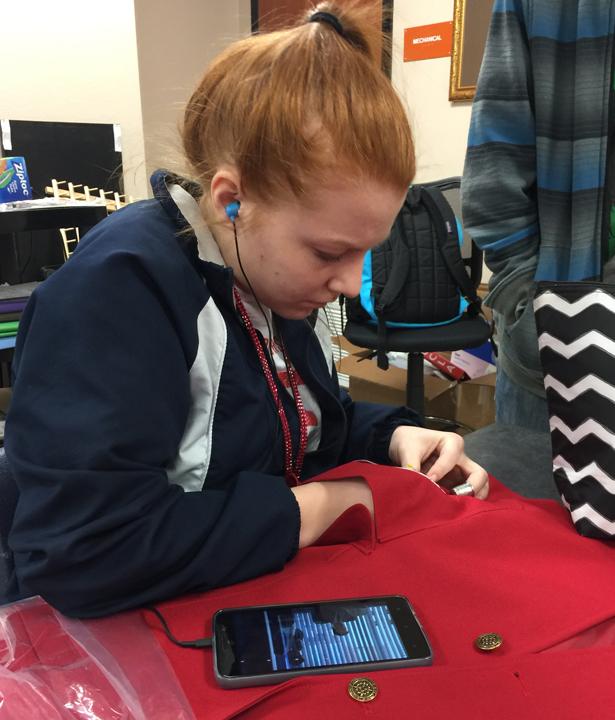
<point x="354" y="525"/>
<point x="60" y="678"/>
<point x="506" y="565"/>
<point x="52" y="667"/>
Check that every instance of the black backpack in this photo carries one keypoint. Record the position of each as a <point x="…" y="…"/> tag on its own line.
<point x="417" y="276"/>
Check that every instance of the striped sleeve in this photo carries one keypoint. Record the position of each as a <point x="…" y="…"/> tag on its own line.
<point x="499" y="182"/>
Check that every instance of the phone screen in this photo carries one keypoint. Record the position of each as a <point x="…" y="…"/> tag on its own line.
<point x="318" y="635"/>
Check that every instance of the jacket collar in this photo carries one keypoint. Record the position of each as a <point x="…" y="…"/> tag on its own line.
<point x="160" y="181"/>
<point x="191" y="228"/>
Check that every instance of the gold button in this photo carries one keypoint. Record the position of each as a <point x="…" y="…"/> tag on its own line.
<point x="488" y="642"/>
<point x="362" y="689"/>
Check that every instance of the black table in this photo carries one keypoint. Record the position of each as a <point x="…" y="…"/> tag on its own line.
<point x="49" y="218"/>
<point x="47" y="249"/>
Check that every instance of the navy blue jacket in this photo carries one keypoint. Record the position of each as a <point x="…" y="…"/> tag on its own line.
<point x="142" y="435"/>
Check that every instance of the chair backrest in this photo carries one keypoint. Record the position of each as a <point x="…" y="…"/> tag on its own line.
<point x="8" y="502"/>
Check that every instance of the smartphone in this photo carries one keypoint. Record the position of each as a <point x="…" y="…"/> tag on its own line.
<point x="268" y="644"/>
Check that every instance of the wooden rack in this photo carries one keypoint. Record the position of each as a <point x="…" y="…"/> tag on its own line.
<point x="112" y="199"/>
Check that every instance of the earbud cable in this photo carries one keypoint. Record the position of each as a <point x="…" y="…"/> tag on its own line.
<point x="198" y="643"/>
<point x="243" y="272"/>
<point x="269" y="331"/>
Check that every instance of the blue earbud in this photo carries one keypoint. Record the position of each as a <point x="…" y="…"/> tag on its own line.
<point x="232" y="210"/>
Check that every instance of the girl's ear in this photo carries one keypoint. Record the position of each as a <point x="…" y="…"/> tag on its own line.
<point x="225" y="191"/>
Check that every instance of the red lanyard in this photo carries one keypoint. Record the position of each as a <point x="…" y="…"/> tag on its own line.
<point x="292" y="470"/>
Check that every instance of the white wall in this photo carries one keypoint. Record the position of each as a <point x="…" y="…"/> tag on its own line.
<point x="440" y="127"/>
<point x="77" y="63"/>
<point x="131" y="62"/>
<point x="175" y="42"/>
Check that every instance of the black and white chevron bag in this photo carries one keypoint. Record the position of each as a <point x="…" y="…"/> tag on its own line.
<point x="576" y="337"/>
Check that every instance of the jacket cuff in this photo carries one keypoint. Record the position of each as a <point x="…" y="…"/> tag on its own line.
<point x="378" y="446"/>
<point x="295" y="544"/>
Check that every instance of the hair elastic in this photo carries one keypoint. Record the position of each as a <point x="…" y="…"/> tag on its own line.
<point x="329" y="19"/>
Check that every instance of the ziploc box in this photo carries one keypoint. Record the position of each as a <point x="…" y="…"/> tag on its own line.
<point x="14" y="180"/>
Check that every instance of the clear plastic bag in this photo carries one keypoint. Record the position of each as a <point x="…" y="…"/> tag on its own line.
<point x="52" y="667"/>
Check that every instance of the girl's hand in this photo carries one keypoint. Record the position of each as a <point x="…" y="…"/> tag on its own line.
<point x="439" y="455"/>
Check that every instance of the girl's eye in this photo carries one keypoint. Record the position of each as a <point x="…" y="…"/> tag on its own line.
<point x="325" y="257"/>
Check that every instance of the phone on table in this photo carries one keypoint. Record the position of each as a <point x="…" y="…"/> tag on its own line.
<point x="268" y="644"/>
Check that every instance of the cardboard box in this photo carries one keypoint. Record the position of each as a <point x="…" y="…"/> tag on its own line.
<point x="471" y="402"/>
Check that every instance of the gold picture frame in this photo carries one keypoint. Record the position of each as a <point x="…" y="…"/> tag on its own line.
<point x="470" y="26"/>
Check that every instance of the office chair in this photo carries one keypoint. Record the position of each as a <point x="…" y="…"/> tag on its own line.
<point x="8" y="502"/>
<point x="466" y="332"/>
<point x="525" y="466"/>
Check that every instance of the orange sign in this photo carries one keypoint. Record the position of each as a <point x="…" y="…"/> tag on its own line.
<point x="428" y="41"/>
